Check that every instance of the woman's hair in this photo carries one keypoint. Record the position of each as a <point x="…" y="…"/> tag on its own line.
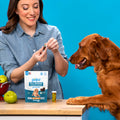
<point x="13" y="18"/>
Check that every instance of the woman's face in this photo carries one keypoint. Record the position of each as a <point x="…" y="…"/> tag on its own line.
<point x="28" y="12"/>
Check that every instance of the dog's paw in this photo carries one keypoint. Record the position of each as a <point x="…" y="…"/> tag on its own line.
<point x="71" y="101"/>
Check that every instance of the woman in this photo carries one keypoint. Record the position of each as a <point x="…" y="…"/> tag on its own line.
<point x="21" y="46"/>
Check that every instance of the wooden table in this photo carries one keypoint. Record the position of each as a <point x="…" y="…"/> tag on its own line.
<point x="49" y="110"/>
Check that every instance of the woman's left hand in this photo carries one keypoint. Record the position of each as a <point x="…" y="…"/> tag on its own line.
<point x="52" y="44"/>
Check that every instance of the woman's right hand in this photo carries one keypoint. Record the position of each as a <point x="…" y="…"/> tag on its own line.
<point x="18" y="73"/>
<point x="40" y="55"/>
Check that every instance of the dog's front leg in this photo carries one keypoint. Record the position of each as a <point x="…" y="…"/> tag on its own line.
<point x="77" y="100"/>
<point x="98" y="99"/>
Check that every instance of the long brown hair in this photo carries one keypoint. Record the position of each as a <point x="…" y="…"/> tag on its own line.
<point x="13" y="18"/>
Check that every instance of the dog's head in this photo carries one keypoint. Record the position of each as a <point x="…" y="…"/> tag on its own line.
<point x="92" y="49"/>
<point x="36" y="90"/>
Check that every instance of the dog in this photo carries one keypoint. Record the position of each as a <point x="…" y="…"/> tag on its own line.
<point x="35" y="93"/>
<point x="104" y="55"/>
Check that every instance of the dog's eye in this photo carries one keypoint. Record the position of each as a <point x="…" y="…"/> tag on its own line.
<point x="80" y="46"/>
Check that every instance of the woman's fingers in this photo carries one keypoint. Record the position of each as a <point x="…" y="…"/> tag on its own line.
<point x="41" y="54"/>
<point x="53" y="44"/>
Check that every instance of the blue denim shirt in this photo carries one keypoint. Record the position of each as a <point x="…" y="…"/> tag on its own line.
<point x="17" y="48"/>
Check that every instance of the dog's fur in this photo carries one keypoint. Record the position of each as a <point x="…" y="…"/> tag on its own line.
<point x="104" y="55"/>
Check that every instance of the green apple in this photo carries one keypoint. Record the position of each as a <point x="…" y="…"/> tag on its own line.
<point x="10" y="97"/>
<point x="3" y="78"/>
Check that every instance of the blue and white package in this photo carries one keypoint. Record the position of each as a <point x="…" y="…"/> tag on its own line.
<point x="36" y="86"/>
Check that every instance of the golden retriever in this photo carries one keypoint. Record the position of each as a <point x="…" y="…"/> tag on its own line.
<point x="104" y="55"/>
<point x="36" y="92"/>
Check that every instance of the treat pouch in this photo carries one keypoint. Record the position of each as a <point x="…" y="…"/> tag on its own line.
<point x="36" y="86"/>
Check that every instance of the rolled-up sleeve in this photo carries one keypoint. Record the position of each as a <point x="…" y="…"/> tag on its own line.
<point x="61" y="46"/>
<point x="7" y="60"/>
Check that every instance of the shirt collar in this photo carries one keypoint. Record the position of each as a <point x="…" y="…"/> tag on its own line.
<point x="40" y="29"/>
<point x="19" y="30"/>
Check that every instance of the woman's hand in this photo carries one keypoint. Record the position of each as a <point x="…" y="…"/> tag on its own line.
<point x="52" y="44"/>
<point x="40" y="55"/>
<point x="18" y="73"/>
<point x="61" y="65"/>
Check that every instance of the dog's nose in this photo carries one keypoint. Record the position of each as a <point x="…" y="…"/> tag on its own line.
<point x="69" y="59"/>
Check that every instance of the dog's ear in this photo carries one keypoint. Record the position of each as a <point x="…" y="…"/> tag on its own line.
<point x="92" y="47"/>
<point x="100" y="48"/>
<point x="101" y="51"/>
<point x="97" y="49"/>
<point x="92" y="50"/>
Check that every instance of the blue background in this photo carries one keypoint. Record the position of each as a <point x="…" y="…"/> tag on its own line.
<point x="77" y="19"/>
